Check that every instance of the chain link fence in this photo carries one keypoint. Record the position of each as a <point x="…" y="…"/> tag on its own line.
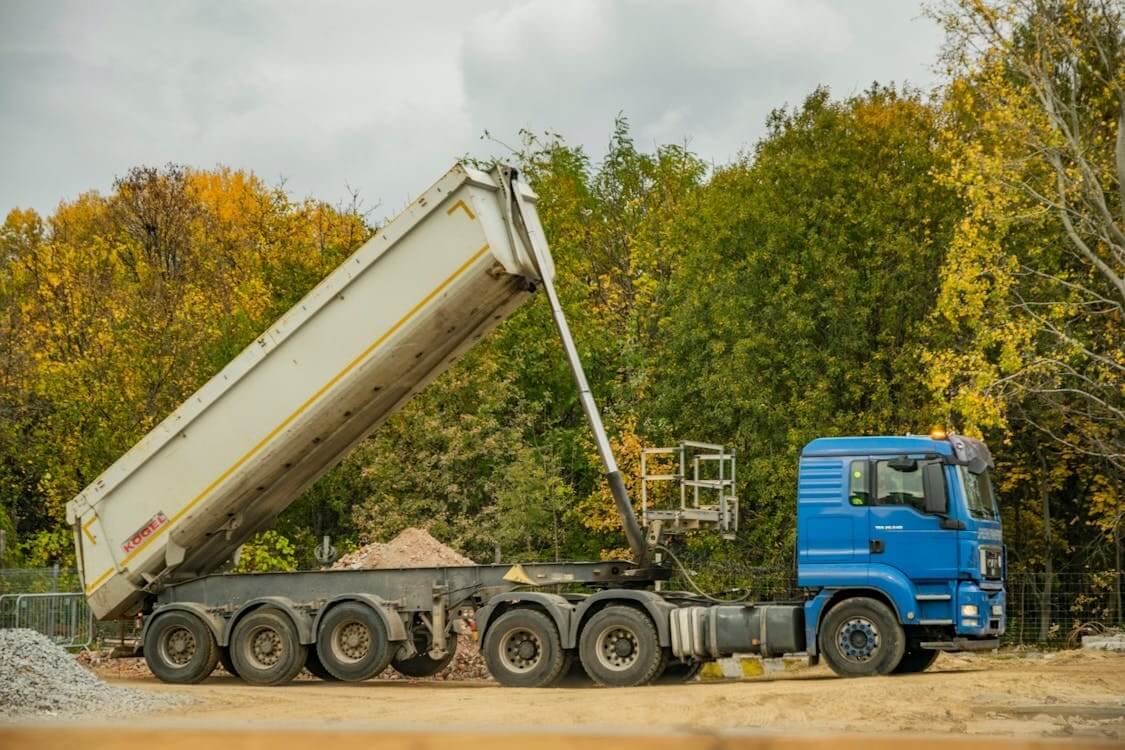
<point x="1042" y="609"/>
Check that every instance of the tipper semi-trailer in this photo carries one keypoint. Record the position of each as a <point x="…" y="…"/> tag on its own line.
<point x="899" y="548"/>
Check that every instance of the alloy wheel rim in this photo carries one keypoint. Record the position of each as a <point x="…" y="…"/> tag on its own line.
<point x="858" y="639"/>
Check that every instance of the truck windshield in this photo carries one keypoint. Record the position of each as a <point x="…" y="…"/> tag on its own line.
<point x="978" y="493"/>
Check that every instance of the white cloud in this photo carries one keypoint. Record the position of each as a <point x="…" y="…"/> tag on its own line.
<point x="385" y="96"/>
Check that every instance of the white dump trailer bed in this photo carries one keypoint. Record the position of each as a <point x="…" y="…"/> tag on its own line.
<point x="388" y="320"/>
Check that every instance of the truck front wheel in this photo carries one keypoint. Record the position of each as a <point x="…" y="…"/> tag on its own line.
<point x="861" y="637"/>
<point x="265" y="648"/>
<point x="523" y="649"/>
<point x="619" y="647"/>
<point x="180" y="648"/>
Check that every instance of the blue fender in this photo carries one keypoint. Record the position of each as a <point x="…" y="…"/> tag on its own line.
<point x="884" y="580"/>
<point x="893" y="583"/>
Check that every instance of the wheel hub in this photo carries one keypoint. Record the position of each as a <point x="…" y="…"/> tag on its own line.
<point x="266" y="647"/>
<point x="617" y="648"/>
<point x="521" y="650"/>
<point x="353" y="641"/>
<point x="179" y="646"/>
<point x="858" y="639"/>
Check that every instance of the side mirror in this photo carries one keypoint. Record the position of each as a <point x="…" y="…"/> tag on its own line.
<point x="933" y="485"/>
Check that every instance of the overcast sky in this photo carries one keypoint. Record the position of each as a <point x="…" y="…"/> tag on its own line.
<point x="384" y="96"/>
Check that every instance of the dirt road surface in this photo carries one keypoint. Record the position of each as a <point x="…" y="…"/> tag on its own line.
<point x="1071" y="694"/>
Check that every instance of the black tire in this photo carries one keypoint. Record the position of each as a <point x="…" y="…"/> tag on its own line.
<point x="916" y="660"/>
<point x="572" y="674"/>
<point x="523" y="649"/>
<point x="352" y="643"/>
<point x="619" y="647"/>
<point x="315" y="668"/>
<point x="861" y="637"/>
<point x="180" y="648"/>
<point x="266" y="649"/>
<point x="225" y="661"/>
<point x="679" y="672"/>
<point x="422" y="664"/>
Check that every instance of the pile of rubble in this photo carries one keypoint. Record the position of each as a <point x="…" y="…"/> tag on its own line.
<point x="37" y="678"/>
<point x="413" y="548"/>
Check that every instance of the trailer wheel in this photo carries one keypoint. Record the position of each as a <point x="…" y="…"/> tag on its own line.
<point x="266" y="649"/>
<point x="422" y="664"/>
<point x="679" y="672"/>
<point x="226" y="662"/>
<point x="523" y="649"/>
<point x="315" y="668"/>
<point x="916" y="659"/>
<point x="572" y="675"/>
<point x="352" y="643"/>
<point x="619" y="647"/>
<point x="862" y="637"/>
<point x="180" y="648"/>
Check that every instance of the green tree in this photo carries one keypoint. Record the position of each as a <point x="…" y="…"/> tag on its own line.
<point x="809" y="268"/>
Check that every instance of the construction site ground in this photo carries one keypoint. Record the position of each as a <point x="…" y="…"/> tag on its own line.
<point x="1066" y="694"/>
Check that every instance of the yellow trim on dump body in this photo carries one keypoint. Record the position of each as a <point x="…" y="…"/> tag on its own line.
<point x="288" y="420"/>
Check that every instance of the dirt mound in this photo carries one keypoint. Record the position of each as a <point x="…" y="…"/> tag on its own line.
<point x="413" y="548"/>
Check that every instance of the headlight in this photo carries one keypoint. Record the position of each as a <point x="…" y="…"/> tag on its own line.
<point x="997" y="610"/>
<point x="969" y="610"/>
<point x="969" y="622"/>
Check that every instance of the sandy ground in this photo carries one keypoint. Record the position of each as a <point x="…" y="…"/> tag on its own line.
<point x="1056" y="695"/>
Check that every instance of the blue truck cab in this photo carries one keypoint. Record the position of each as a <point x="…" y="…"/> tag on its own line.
<point x="903" y="528"/>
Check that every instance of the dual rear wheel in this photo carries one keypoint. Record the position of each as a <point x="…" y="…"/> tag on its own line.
<point x="618" y="647"/>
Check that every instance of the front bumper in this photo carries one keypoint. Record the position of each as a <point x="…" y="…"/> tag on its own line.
<point x="991" y="618"/>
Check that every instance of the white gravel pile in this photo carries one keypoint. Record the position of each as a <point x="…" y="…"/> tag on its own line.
<point x="37" y="678"/>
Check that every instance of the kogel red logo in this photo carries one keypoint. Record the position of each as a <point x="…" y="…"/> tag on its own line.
<point x="144" y="532"/>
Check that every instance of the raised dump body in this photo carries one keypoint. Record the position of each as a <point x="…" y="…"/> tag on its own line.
<point x="388" y="320"/>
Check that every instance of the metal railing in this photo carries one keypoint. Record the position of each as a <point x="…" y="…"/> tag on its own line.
<point x="64" y="617"/>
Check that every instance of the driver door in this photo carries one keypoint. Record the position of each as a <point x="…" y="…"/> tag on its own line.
<point x="903" y="535"/>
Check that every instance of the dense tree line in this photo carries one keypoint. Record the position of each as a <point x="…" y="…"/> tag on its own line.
<point x="876" y="264"/>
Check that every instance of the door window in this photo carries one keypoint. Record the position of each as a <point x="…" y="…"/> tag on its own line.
<point x="900" y="486"/>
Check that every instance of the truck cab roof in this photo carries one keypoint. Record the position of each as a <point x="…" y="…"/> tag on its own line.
<point x="871" y="446"/>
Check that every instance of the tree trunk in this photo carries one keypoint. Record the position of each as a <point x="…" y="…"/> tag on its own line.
<point x="1117" y="565"/>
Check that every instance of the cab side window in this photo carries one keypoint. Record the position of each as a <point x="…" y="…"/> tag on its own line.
<point x="900" y="483"/>
<point x="859" y="484"/>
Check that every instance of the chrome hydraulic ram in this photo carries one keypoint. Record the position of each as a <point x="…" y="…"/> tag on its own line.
<point x="533" y="241"/>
